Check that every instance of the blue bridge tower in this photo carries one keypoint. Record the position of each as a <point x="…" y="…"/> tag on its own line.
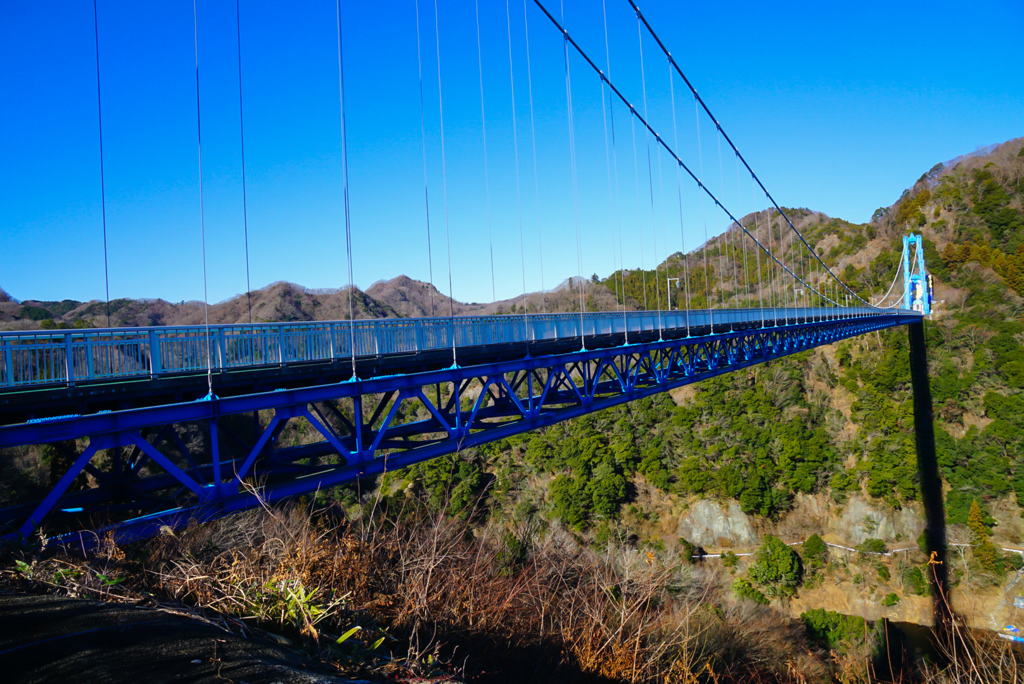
<point x="917" y="282"/>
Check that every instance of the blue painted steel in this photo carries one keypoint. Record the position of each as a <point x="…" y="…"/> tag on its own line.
<point x="907" y="270"/>
<point x="464" y="407"/>
<point x="917" y="286"/>
<point x="43" y="358"/>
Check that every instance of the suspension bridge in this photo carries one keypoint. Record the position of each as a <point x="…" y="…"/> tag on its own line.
<point x="157" y="426"/>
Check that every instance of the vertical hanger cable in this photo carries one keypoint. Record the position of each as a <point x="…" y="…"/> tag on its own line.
<point x="423" y="145"/>
<point x="241" y="131"/>
<point x="202" y="218"/>
<point x="103" y="184"/>
<point x="345" y="186"/>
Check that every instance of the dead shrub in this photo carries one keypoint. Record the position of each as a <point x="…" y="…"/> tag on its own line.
<point x="413" y="590"/>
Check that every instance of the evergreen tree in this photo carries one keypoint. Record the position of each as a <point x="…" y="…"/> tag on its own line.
<point x="976" y="524"/>
<point x="985" y="552"/>
<point x="777" y="568"/>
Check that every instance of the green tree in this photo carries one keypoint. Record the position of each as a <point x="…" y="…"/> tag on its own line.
<point x="745" y="590"/>
<point x="986" y="555"/>
<point x="976" y="523"/>
<point x="570" y="500"/>
<point x="777" y="568"/>
<point x="815" y="552"/>
<point x="607" y="490"/>
<point x="687" y="550"/>
<point x="840" y="632"/>
<point x="914" y="581"/>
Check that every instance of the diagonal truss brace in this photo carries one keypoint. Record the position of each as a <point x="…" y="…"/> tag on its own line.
<point x="506" y="398"/>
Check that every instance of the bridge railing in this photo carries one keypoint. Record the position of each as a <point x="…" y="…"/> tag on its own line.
<point x="35" y="358"/>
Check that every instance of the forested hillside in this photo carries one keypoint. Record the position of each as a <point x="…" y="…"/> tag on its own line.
<point x="564" y="550"/>
<point x="399" y="297"/>
<point x="835" y="420"/>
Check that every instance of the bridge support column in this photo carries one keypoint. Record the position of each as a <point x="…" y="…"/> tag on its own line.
<point x="931" y="482"/>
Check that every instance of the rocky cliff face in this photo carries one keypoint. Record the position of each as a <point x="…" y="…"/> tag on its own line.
<point x="722" y="525"/>
<point x="713" y="525"/>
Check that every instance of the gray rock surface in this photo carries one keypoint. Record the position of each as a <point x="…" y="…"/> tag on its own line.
<point x="717" y="525"/>
<point x="862" y="520"/>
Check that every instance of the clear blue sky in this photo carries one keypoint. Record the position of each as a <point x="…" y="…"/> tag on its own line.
<point x="837" y="106"/>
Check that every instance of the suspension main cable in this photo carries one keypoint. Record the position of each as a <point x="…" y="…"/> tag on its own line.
<point x="636" y="115"/>
<point x="487" y="173"/>
<point x="678" y="70"/>
<point x="241" y="132"/>
<point x="913" y="267"/>
<point x="423" y="139"/>
<point x="345" y="184"/>
<point x="202" y="217"/>
<point x="536" y="177"/>
<point x="444" y="178"/>
<point x="899" y="269"/>
<point x="103" y="183"/>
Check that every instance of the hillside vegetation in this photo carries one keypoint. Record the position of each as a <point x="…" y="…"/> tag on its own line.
<point x="835" y="420"/>
<point x="561" y="550"/>
<point x="400" y="297"/>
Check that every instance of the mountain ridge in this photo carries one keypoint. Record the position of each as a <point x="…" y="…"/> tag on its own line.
<point x="852" y="250"/>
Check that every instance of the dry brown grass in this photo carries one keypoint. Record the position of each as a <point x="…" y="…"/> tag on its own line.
<point x="445" y="599"/>
<point x="973" y="657"/>
<point x="450" y="599"/>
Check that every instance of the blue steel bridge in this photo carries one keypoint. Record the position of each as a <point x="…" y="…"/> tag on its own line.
<point x="161" y="425"/>
<point x="130" y="392"/>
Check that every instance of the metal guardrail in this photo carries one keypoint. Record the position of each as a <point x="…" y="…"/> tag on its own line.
<point x="40" y="358"/>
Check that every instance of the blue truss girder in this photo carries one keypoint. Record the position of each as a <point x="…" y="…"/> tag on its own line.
<point x="479" y="404"/>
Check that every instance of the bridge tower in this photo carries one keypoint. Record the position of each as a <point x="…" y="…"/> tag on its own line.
<point x="917" y="282"/>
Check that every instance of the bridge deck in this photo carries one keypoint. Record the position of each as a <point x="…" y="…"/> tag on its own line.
<point x="46" y="374"/>
<point x="405" y="407"/>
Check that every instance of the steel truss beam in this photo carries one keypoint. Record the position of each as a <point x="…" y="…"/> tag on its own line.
<point x="368" y="427"/>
